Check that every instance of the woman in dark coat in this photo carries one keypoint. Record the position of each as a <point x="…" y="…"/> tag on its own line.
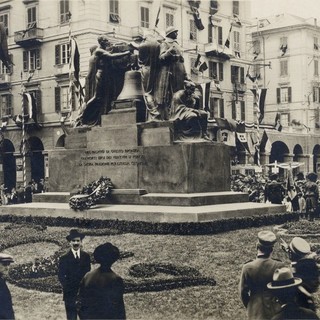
<point x="101" y="290"/>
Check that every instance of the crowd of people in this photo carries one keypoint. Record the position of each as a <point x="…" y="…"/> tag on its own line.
<point x="299" y="195"/>
<point x="276" y="290"/>
<point x="21" y="194"/>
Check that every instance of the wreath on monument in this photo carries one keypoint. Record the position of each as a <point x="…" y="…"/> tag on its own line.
<point x="91" y="194"/>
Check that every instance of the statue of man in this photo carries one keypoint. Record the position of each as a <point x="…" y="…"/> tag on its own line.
<point x="172" y="72"/>
<point x="100" y="103"/>
<point x="195" y="121"/>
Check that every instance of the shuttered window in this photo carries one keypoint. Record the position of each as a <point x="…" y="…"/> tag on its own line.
<point x="144" y="17"/>
<point x="6" y="105"/>
<point x="62" y="53"/>
<point x="31" y="60"/>
<point x="64" y="11"/>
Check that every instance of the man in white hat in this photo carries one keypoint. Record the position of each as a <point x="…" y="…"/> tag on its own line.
<point x="284" y="286"/>
<point x="255" y="276"/>
<point x="6" y="309"/>
<point x="304" y="267"/>
<point x="172" y="72"/>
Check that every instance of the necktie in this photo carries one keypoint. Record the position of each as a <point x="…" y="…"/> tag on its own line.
<point x="77" y="256"/>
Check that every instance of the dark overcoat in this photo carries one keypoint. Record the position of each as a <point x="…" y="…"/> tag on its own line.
<point x="71" y="272"/>
<point x="254" y="293"/>
<point x="6" y="309"/>
<point x="101" y="296"/>
<point x="293" y="311"/>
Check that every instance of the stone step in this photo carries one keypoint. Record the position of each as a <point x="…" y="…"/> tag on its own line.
<point x="140" y="196"/>
<point x="165" y="214"/>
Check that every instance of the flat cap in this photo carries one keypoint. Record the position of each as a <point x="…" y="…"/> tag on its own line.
<point x="6" y="258"/>
<point x="299" y="246"/>
<point x="267" y="238"/>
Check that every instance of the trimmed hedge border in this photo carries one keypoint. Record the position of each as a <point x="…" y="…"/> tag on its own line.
<point x="142" y="227"/>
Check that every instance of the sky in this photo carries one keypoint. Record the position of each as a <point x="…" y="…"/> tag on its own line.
<point x="302" y="8"/>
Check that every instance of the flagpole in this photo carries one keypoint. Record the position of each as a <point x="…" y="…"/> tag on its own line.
<point x="23" y="147"/>
<point x="70" y="69"/>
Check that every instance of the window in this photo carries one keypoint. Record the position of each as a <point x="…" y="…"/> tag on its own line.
<point x="6" y="105"/>
<point x="220" y="38"/>
<point x="216" y="70"/>
<point x="256" y="47"/>
<point x="64" y="11"/>
<point x="237" y="74"/>
<point x="235" y="7"/>
<point x="36" y="96"/>
<point x="169" y="19"/>
<point x="4" y="18"/>
<point x="62" y="97"/>
<point x="213" y="6"/>
<point x="144" y="16"/>
<point x="193" y="30"/>
<point x="316" y="67"/>
<point x="62" y="53"/>
<point x="315" y="43"/>
<point x="114" y="11"/>
<point x="233" y="110"/>
<point x="210" y="33"/>
<point x="284" y="119"/>
<point x="283" y="41"/>
<point x="31" y="60"/>
<point x="216" y="108"/>
<point x="284" y="95"/>
<point x="3" y="68"/>
<point x="31" y="17"/>
<point x="283" y="68"/>
<point x="316" y="94"/>
<point x="236" y="41"/>
<point x="243" y="110"/>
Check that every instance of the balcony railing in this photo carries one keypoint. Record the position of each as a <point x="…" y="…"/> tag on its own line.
<point x="25" y="37"/>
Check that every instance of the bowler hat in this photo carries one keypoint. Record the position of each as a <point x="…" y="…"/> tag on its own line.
<point x="312" y="177"/>
<point x="283" y="278"/>
<point x="5" y="258"/>
<point x="299" y="246"/>
<point x="267" y="238"/>
<point x="169" y="30"/>
<point x="106" y="253"/>
<point x="74" y="233"/>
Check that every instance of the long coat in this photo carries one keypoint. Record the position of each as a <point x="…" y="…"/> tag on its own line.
<point x="6" y="309"/>
<point x="254" y="294"/>
<point x="101" y="295"/>
<point x="293" y="311"/>
<point x="71" y="272"/>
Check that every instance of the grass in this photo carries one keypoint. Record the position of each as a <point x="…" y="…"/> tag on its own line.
<point x="219" y="256"/>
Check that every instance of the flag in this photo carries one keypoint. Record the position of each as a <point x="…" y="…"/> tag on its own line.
<point x="194" y="6"/>
<point x="203" y="67"/>
<point x="30" y="106"/>
<point x="204" y="89"/>
<point x="227" y="137"/>
<point x="4" y="54"/>
<point x="158" y="16"/>
<point x="291" y="189"/>
<point x="277" y="122"/>
<point x="227" y="43"/>
<point x="283" y="49"/>
<point x="266" y="143"/>
<point x="262" y="100"/>
<point x="197" y="62"/>
<point x="315" y="46"/>
<point x="237" y="19"/>
<point x="255" y="55"/>
<point x="237" y="54"/>
<point x="217" y="85"/>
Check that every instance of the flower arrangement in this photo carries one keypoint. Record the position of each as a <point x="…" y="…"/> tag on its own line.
<point x="91" y="194"/>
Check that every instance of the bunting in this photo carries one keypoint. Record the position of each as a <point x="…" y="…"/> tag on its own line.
<point x="237" y="20"/>
<point x="4" y="54"/>
<point x="227" y="43"/>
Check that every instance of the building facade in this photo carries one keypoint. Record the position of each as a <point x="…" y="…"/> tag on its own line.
<point x="38" y="33"/>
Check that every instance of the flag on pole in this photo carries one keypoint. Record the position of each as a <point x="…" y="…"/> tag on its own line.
<point x="158" y="17"/>
<point x="227" y="43"/>
<point x="277" y="122"/>
<point x="237" y="20"/>
<point x="283" y="49"/>
<point x="266" y="143"/>
<point x="30" y="106"/>
<point x="4" y="54"/>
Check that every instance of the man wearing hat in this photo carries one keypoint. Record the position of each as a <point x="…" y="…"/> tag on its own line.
<point x="101" y="290"/>
<point x="284" y="286"/>
<point x="172" y="72"/>
<point x="305" y="267"/>
<point x="255" y="276"/>
<point x="274" y="190"/>
<point x="183" y="109"/>
<point x="73" y="265"/>
<point x="6" y="309"/>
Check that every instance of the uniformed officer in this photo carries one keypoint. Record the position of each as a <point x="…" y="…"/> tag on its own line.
<point x="255" y="276"/>
<point x="305" y="267"/>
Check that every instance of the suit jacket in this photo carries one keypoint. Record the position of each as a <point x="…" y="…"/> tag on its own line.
<point x="6" y="310"/>
<point x="72" y="271"/>
<point x="254" y="293"/>
<point x="293" y="311"/>
<point x="101" y="295"/>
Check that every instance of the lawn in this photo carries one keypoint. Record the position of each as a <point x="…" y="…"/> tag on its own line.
<point x="219" y="257"/>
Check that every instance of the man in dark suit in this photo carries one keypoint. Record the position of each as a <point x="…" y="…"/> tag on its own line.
<point x="6" y="309"/>
<point x="101" y="290"/>
<point x="284" y="287"/>
<point x="255" y="276"/>
<point x="73" y="265"/>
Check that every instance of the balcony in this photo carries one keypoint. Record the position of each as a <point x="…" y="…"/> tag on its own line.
<point x="29" y="37"/>
<point x="217" y="51"/>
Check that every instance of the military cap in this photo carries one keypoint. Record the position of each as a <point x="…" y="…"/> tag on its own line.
<point x="299" y="246"/>
<point x="5" y="258"/>
<point x="267" y="238"/>
<point x="169" y="30"/>
<point x="283" y="279"/>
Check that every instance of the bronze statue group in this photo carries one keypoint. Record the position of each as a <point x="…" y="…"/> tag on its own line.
<point x="169" y="94"/>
